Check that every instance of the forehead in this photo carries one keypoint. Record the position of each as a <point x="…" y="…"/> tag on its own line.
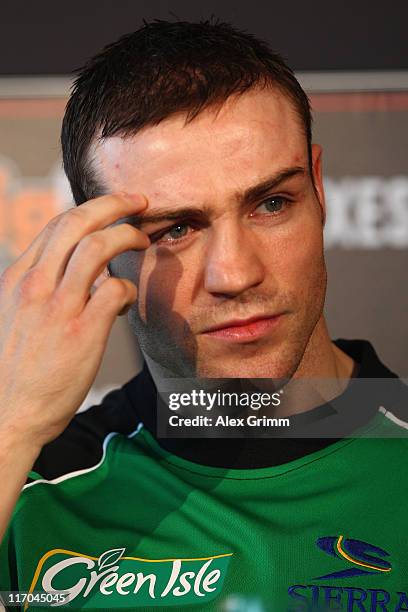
<point x="247" y="139"/>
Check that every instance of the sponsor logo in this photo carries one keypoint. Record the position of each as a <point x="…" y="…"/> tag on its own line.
<point x="307" y="598"/>
<point x="113" y="580"/>
<point x="366" y="558"/>
<point x="363" y="559"/>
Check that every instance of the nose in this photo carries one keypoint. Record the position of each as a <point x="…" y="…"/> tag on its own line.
<point x="233" y="262"/>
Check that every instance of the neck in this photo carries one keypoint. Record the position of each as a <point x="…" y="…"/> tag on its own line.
<point x="322" y="358"/>
<point x="322" y="375"/>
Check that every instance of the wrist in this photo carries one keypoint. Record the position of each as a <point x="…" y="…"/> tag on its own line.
<point x="19" y="442"/>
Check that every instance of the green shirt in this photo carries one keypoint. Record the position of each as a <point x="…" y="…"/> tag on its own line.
<point x="144" y="528"/>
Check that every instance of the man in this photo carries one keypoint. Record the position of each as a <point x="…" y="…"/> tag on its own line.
<point x="217" y="255"/>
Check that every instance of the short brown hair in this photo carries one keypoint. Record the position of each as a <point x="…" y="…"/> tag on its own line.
<point x="163" y="68"/>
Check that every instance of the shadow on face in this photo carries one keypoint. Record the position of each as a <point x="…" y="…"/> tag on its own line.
<point x="256" y="254"/>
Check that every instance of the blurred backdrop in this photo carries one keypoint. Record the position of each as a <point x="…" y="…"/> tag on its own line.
<point x="352" y="59"/>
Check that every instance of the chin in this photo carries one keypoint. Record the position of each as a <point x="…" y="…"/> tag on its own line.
<point x="279" y="364"/>
<point x="277" y="373"/>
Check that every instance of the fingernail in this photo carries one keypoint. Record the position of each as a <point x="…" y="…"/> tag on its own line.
<point x="137" y="198"/>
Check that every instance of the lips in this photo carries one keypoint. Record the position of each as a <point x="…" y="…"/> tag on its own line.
<point x="244" y="330"/>
<point x="239" y="322"/>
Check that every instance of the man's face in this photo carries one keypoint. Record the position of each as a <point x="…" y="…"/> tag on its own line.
<point x="238" y="252"/>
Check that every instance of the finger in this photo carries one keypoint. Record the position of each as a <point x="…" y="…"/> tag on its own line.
<point x="28" y="258"/>
<point x="76" y="223"/>
<point x="110" y="300"/>
<point x="90" y="257"/>
<point x="101" y="278"/>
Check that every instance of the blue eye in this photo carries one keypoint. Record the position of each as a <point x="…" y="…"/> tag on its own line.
<point x="274" y="204"/>
<point x="175" y="233"/>
<point x="178" y="231"/>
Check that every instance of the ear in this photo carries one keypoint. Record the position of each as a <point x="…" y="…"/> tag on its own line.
<point x="317" y="153"/>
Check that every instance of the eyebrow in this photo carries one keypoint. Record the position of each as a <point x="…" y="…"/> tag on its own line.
<point x="244" y="197"/>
